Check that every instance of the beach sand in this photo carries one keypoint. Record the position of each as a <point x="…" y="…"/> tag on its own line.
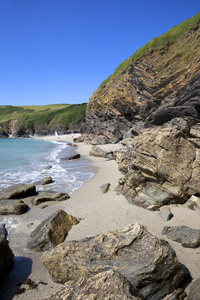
<point x="97" y="212"/>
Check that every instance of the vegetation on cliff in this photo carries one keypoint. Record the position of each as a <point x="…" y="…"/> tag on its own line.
<point x="41" y="119"/>
<point x="181" y="51"/>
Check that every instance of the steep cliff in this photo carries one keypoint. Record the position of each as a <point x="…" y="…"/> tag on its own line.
<point x="159" y="82"/>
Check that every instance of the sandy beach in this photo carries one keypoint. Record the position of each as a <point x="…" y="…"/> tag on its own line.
<point x="97" y="212"/>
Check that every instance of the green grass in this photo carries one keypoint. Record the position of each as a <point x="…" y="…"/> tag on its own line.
<point x="158" y="43"/>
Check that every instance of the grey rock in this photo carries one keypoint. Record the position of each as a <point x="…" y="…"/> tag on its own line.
<point x="195" y="291"/>
<point x="51" y="231"/>
<point x="13" y="207"/>
<point x="139" y="256"/>
<point x="185" y="235"/>
<point x="75" y="156"/>
<point x="49" y="196"/>
<point x="165" y="214"/>
<point x="18" y="191"/>
<point x="98" y="152"/>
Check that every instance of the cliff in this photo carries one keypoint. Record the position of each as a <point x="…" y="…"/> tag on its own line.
<point x="159" y="82"/>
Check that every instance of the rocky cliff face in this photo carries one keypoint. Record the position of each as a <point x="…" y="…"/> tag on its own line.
<point x="162" y="84"/>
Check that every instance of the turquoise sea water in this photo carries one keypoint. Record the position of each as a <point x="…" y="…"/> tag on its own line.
<point x="30" y="160"/>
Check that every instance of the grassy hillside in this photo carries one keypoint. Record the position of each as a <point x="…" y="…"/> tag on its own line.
<point x="37" y="118"/>
<point x="174" y="36"/>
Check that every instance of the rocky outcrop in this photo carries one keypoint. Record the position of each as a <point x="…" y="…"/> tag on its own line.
<point x="51" y="231"/>
<point x="6" y="254"/>
<point x="105" y="285"/>
<point x="161" y="165"/>
<point x="149" y="264"/>
<point x="49" y="196"/>
<point x="18" y="191"/>
<point x="155" y="87"/>
<point x="185" y="235"/>
<point x="13" y="207"/>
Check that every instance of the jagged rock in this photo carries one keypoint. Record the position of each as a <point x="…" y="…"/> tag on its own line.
<point x="139" y="256"/>
<point x="12" y="207"/>
<point x="51" y="231"/>
<point x="195" y="291"/>
<point x="105" y="187"/>
<point x="105" y="285"/>
<point x="160" y="165"/>
<point x="165" y="214"/>
<point x="6" y="254"/>
<point x="49" y="196"/>
<point x="185" y="235"/>
<point x="193" y="203"/>
<point x="18" y="191"/>
<point x="100" y="140"/>
<point x="178" y="294"/>
<point x="98" y="152"/>
<point x="46" y="180"/>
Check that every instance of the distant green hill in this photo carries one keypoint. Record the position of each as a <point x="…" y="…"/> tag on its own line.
<point x="41" y="119"/>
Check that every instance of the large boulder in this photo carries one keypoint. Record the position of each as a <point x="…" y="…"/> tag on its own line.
<point x="51" y="231"/>
<point x="188" y="237"/>
<point x="105" y="285"/>
<point x="49" y="196"/>
<point x="6" y="254"/>
<point x="98" y="152"/>
<point x="148" y="263"/>
<point x="161" y="166"/>
<point x="12" y="207"/>
<point x="18" y="191"/>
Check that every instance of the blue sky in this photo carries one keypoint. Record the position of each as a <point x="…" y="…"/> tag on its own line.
<point x="59" y="51"/>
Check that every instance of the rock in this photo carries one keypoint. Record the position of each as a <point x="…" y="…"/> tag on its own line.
<point x="193" y="203"/>
<point x="13" y="207"/>
<point x="46" y="180"/>
<point x="105" y="285"/>
<point x="100" y="140"/>
<point x="3" y="134"/>
<point x="185" y="235"/>
<point x="49" y="196"/>
<point x="139" y="256"/>
<point x="75" y="156"/>
<point x="195" y="291"/>
<point x="79" y="139"/>
<point x="105" y="187"/>
<point x="18" y="191"/>
<point x="160" y="165"/>
<point x="98" y="152"/>
<point x="165" y="214"/>
<point x="178" y="294"/>
<point x="6" y="254"/>
<point x="51" y="231"/>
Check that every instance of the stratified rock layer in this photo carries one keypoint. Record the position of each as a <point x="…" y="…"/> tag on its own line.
<point x="148" y="263"/>
<point x="51" y="231"/>
<point x="105" y="285"/>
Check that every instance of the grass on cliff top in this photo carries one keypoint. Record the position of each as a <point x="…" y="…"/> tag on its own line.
<point x="48" y="115"/>
<point x="166" y="39"/>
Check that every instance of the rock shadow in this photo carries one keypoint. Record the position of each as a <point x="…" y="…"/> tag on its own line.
<point x="19" y="273"/>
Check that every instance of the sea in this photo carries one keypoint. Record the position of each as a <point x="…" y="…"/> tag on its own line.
<point x="28" y="161"/>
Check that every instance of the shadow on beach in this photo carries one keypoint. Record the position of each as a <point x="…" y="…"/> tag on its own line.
<point x="21" y="270"/>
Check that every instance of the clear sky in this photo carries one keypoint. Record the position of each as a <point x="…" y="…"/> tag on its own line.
<point x="59" y="51"/>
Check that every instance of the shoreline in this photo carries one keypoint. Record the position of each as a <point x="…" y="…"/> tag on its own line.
<point x="98" y="212"/>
